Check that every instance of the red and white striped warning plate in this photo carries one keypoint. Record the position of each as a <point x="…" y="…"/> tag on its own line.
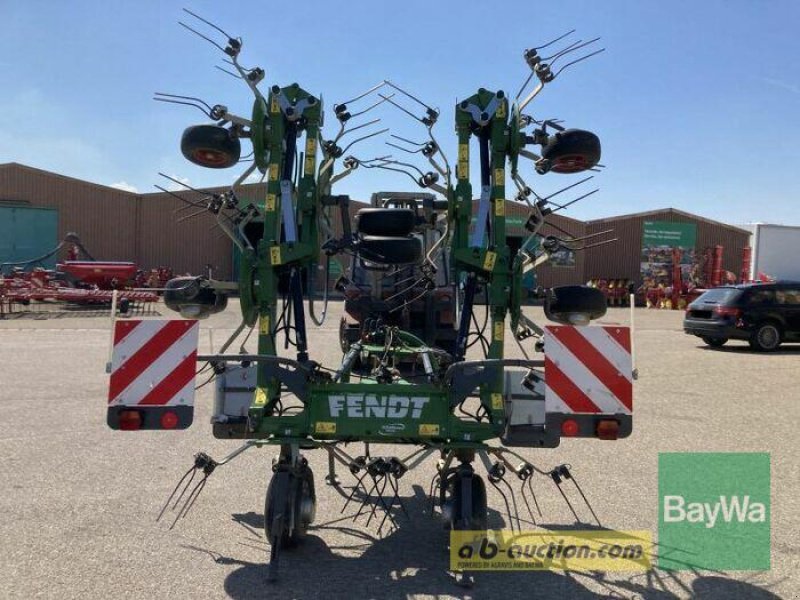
<point x="588" y="369"/>
<point x="153" y="363"/>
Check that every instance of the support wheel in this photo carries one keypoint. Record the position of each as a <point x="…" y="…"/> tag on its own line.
<point x="766" y="338"/>
<point x="474" y="518"/>
<point x="211" y="146"/>
<point x="290" y="506"/>
<point x="715" y="342"/>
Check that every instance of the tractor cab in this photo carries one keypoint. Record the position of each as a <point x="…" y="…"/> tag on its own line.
<point x="391" y="278"/>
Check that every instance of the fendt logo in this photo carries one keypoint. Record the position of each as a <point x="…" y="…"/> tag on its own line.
<point x="367" y="406"/>
<point x="729" y="508"/>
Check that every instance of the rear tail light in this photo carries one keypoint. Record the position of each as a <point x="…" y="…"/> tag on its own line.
<point x="169" y="420"/>
<point x="569" y="428"/>
<point x="727" y="311"/>
<point x="607" y="429"/>
<point x="130" y="420"/>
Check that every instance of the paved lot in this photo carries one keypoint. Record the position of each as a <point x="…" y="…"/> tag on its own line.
<point x="79" y="500"/>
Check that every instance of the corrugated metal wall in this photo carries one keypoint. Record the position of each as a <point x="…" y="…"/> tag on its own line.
<point x="117" y="225"/>
<point x="622" y="259"/>
<point x="103" y="217"/>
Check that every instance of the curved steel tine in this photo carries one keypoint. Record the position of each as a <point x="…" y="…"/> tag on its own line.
<point x="588" y="505"/>
<point x="188" y="202"/>
<point x="191" y="215"/>
<point x="408" y="302"/>
<point x="404" y="149"/>
<point x="525" y="499"/>
<point x="188" y="187"/>
<point x="505" y="500"/>
<point x="194" y="496"/>
<point x="379" y="499"/>
<point x="533" y="495"/>
<point x="381" y="166"/>
<point x="189" y="500"/>
<point x="369" y="108"/>
<point x="569" y="504"/>
<point x="572" y="48"/>
<point x="558" y="39"/>
<point x="524" y="85"/>
<point x="569" y="187"/>
<point x="407" y="141"/>
<point x="367" y="93"/>
<point x="346" y="131"/>
<point x="513" y="502"/>
<point x="586" y="195"/>
<point x="403" y="164"/>
<point x="405" y="110"/>
<point x="231" y="73"/>
<point x="405" y="93"/>
<point x="362" y="138"/>
<point x="169" y="101"/>
<point x="368" y="495"/>
<point x="198" y="100"/>
<point x="206" y="38"/>
<point x="163" y="510"/>
<point x="577" y="60"/>
<point x="209" y="23"/>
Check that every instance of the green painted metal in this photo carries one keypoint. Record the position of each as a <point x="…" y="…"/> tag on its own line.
<point x="27" y="232"/>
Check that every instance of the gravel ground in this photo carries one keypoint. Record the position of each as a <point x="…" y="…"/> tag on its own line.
<point x="80" y="500"/>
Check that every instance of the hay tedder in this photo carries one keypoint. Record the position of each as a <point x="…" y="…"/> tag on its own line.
<point x="392" y="386"/>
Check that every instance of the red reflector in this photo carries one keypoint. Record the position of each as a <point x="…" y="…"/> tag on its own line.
<point x="169" y="420"/>
<point x="569" y="428"/>
<point x="607" y="429"/>
<point x="130" y="420"/>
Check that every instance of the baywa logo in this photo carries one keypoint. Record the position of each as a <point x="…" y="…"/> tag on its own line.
<point x="714" y="511"/>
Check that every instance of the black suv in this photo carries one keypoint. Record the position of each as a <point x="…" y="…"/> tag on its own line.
<point x="764" y="314"/>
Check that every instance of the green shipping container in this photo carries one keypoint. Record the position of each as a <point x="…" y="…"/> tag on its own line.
<point x="27" y="233"/>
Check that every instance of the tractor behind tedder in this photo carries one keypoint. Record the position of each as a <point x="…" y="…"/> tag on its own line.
<point x="397" y="383"/>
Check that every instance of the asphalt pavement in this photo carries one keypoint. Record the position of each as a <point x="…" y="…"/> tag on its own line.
<point x="80" y="500"/>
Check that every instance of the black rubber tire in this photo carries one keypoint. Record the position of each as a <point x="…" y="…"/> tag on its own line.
<point x="572" y="151"/>
<point x="210" y="146"/>
<point x="766" y="338"/>
<point x="715" y="342"/>
<point x="390" y="250"/>
<point x="300" y="487"/>
<point x="564" y="300"/>
<point x="193" y="298"/>
<point x="479" y="519"/>
<point x="392" y="222"/>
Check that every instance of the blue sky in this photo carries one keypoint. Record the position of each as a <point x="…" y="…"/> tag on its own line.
<point x="697" y="104"/>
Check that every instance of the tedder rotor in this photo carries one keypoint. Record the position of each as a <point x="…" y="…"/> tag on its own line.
<point x="396" y="384"/>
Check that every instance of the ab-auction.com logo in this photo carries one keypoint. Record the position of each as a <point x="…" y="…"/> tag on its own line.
<point x="714" y="511"/>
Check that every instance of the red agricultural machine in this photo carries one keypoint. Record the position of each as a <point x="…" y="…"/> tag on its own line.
<point x="79" y="281"/>
<point x="679" y="282"/>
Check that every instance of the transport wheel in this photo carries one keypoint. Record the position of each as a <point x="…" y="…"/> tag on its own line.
<point x="766" y="338"/>
<point x="715" y="342"/>
<point x="572" y="151"/>
<point x="478" y="518"/>
<point x="390" y="250"/>
<point x="393" y="222"/>
<point x="210" y="146"/>
<point x="298" y="504"/>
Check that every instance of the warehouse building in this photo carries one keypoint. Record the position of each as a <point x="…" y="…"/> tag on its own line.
<point x="38" y="208"/>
